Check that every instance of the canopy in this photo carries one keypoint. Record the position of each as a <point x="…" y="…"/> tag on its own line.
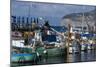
<point x="49" y="38"/>
<point x="87" y="35"/>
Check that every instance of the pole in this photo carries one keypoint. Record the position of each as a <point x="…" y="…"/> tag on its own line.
<point x="69" y="27"/>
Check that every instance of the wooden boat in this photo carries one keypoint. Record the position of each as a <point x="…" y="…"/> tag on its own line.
<point x="55" y="51"/>
<point x="23" y="57"/>
<point x="51" y="52"/>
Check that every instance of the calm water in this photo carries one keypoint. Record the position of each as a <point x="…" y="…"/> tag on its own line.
<point x="90" y="55"/>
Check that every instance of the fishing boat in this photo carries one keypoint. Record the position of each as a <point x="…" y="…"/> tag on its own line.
<point x="50" y="51"/>
<point x="73" y="41"/>
<point x="89" y="41"/>
<point x="55" y="51"/>
<point x="52" y="44"/>
<point x="23" y="57"/>
<point x="22" y="53"/>
<point x="83" y="47"/>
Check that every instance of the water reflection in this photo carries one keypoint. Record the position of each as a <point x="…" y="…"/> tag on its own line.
<point x="89" y="55"/>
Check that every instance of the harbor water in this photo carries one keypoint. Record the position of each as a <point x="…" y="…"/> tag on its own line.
<point x="87" y="56"/>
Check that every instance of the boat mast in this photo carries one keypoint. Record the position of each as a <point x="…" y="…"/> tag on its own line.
<point x="29" y="12"/>
<point x="69" y="28"/>
<point x="82" y="20"/>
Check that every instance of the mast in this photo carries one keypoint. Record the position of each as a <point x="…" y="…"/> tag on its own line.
<point x="83" y="18"/>
<point x="23" y="21"/>
<point x="82" y="22"/>
<point x="27" y="24"/>
<point x="69" y="28"/>
<point x="18" y="21"/>
<point x="31" y="24"/>
<point x="69" y="35"/>
<point x="29" y="17"/>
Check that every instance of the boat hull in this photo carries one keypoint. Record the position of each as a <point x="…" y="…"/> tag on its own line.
<point x="51" y="52"/>
<point x="55" y="52"/>
<point x="24" y="57"/>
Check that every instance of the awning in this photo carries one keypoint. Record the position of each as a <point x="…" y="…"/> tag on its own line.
<point x="87" y="35"/>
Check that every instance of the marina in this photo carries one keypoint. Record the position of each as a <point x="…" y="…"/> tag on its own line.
<point x="35" y="40"/>
<point x="38" y="49"/>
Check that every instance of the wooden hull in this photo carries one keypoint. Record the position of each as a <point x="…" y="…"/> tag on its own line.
<point x="56" y="51"/>
<point x="51" y="52"/>
<point x="23" y="57"/>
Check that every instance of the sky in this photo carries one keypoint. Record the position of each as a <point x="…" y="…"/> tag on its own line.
<point x="48" y="11"/>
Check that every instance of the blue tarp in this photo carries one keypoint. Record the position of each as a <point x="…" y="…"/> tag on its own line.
<point x="87" y="35"/>
<point x="49" y="38"/>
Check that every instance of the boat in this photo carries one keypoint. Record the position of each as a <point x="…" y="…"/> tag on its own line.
<point x="21" y="53"/>
<point x="51" y="47"/>
<point x="83" y="47"/>
<point x="51" y="51"/>
<point x="76" y="47"/>
<point x="55" y="51"/>
<point x="23" y="57"/>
